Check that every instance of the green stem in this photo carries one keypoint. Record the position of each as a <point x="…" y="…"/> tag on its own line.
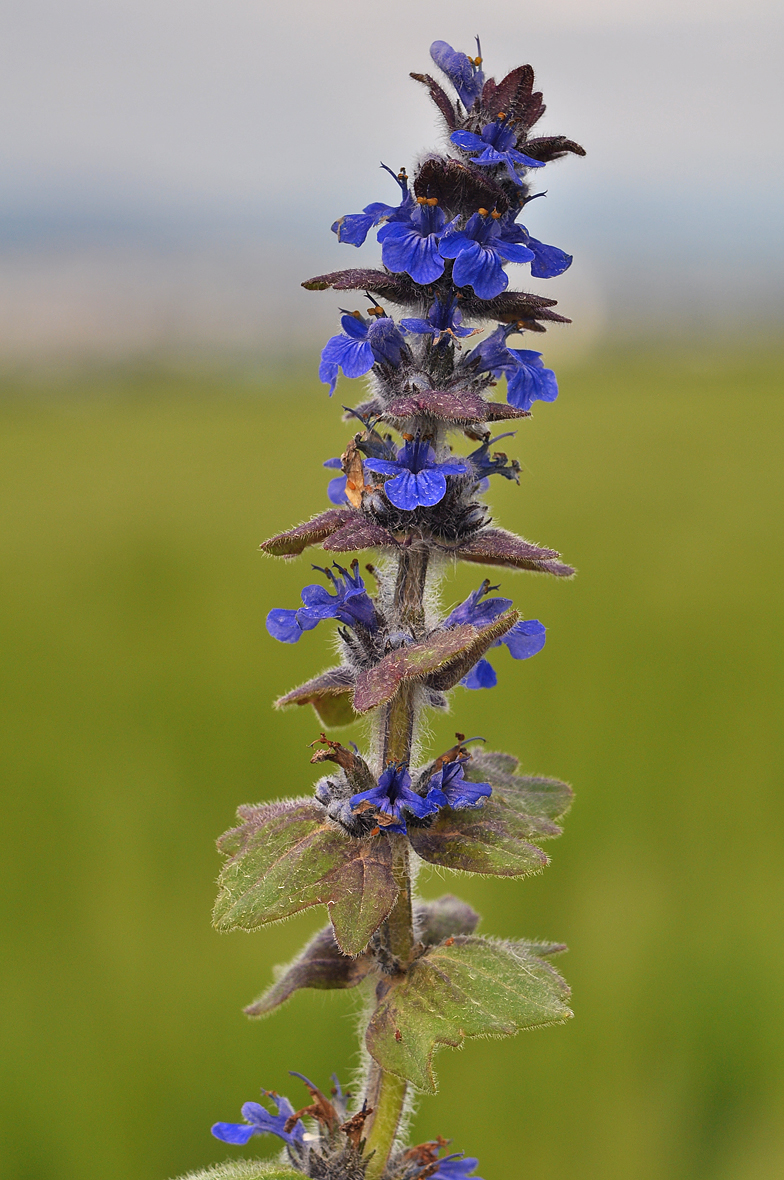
<point x="386" y="1093"/>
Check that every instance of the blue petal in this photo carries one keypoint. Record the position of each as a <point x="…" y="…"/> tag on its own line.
<point x="403" y="249"/>
<point x="525" y="639"/>
<point x="468" y="141"/>
<point x="514" y="251"/>
<point x="418" y="326"/>
<point x="336" y="490"/>
<point x="328" y="373"/>
<point x="479" y="268"/>
<point x="526" y="161"/>
<point x="430" y="487"/>
<point x="355" y="357"/>
<point x="455" y="468"/>
<point x="283" y="625"/>
<point x="528" y="384"/>
<point x="353" y="228"/>
<point x="402" y="491"/>
<point x="453" y="1167"/>
<point x="317" y="596"/>
<point x="482" y="675"/>
<point x="234" y="1132"/>
<point x="549" y="260"/>
<point x="354" y="326"/>
<point x="384" y="466"/>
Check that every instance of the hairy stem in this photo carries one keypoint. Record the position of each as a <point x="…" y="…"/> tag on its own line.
<point x="386" y="1092"/>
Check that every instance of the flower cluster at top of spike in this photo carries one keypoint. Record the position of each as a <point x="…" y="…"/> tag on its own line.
<point x="403" y="488"/>
<point x="334" y="1146"/>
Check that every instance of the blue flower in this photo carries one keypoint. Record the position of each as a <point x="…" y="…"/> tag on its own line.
<point x="498" y="464"/>
<point x="419" y="479"/>
<point x="524" y="640"/>
<point x="354" y="227"/>
<point x="362" y="344"/>
<point x="451" y="789"/>
<point x="394" y="795"/>
<point x="349" y="604"/>
<point x="455" y="1167"/>
<point x="463" y="72"/>
<point x="527" y="380"/>
<point x="336" y="488"/>
<point x="259" y="1121"/>
<point x="479" y="249"/>
<point x="549" y="261"/>
<point x="496" y="142"/>
<point x="443" y="322"/>
<point x="411" y="245"/>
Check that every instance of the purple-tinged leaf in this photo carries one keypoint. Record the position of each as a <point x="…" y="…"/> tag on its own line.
<point x="312" y="532"/>
<point x="440" y="98"/>
<point x="444" y="918"/>
<point x="464" y="407"/>
<point x="360" y="534"/>
<point x="457" y="186"/>
<point x="508" y="94"/>
<point x="440" y="661"/>
<point x="466" y="987"/>
<point x="286" y="857"/>
<point x="499" y="547"/>
<point x="397" y="288"/>
<point x="330" y="694"/>
<point x="321" y="965"/>
<point x="552" y="147"/>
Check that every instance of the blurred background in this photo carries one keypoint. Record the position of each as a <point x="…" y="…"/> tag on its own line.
<point x="169" y="174"/>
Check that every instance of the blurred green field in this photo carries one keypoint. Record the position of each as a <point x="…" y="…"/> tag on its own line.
<point x="137" y="678"/>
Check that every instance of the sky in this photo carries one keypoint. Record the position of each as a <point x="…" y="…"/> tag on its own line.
<point x="169" y="170"/>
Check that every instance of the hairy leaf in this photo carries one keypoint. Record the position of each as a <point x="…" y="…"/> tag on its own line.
<point x="493" y="840"/>
<point x="286" y="857"/>
<point x="321" y="965"/>
<point x="498" y="547"/>
<point x="463" y="406"/>
<point x="531" y="795"/>
<point x="440" y="661"/>
<point x="330" y="694"/>
<point x="245" y="1170"/>
<point x="466" y="987"/>
<point x="359" y="534"/>
<point x="440" y="919"/>
<point x="439" y="97"/>
<point x="312" y="532"/>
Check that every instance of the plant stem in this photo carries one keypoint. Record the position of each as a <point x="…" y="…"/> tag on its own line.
<point x="386" y="1092"/>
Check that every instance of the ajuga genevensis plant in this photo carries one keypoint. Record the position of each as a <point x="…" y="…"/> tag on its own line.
<point x="433" y="367"/>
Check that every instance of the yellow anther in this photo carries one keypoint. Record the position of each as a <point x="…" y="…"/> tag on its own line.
<point x="495" y="214"/>
<point x="421" y="200"/>
<point x="376" y="310"/>
<point x="356" y="314"/>
<point x="432" y="200"/>
<point x="477" y="61"/>
<point x="501" y="115"/>
<point x="483" y="212"/>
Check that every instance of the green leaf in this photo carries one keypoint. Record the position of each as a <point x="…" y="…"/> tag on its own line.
<point x="286" y="857"/>
<point x="492" y="840"/>
<point x="546" y="798"/>
<point x="466" y="987"/>
<point x="330" y="694"/>
<point x="440" y="661"/>
<point x="245" y="1170"/>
